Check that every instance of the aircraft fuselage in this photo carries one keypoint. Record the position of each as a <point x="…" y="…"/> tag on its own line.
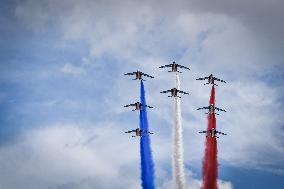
<point x="174" y="92"/>
<point x="212" y="132"/>
<point x="138" y="132"/>
<point x="139" y="75"/>
<point x="138" y="106"/>
<point x="211" y="79"/>
<point x="174" y="67"/>
<point x="211" y="109"/>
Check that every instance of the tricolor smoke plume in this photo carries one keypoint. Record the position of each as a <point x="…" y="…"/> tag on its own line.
<point x="210" y="163"/>
<point x="178" y="167"/>
<point x="147" y="164"/>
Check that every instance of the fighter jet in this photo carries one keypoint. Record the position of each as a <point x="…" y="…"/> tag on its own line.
<point x="212" y="133"/>
<point x="174" y="92"/>
<point x="139" y="75"/>
<point x="139" y="132"/>
<point x="210" y="80"/>
<point x="174" y="67"/>
<point x="211" y="109"/>
<point x="138" y="106"/>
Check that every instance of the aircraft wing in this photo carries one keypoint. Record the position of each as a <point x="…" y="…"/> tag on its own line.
<point x="219" y="109"/>
<point x="182" y="92"/>
<point x="148" y="106"/>
<point x="217" y="79"/>
<point x="183" y="67"/>
<point x="221" y="133"/>
<point x="129" y="105"/>
<point x="147" y="75"/>
<point x="165" y="66"/>
<point x="202" y="78"/>
<point x="202" y="108"/>
<point x="202" y="132"/>
<point x="131" y="73"/>
<point x="130" y="131"/>
<point x="166" y="91"/>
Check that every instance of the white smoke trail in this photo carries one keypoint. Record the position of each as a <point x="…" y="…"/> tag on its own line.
<point x="178" y="167"/>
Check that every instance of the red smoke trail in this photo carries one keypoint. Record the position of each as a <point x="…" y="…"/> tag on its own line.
<point x="210" y="164"/>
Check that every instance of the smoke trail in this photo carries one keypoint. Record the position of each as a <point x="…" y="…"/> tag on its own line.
<point x="147" y="164"/>
<point x="210" y="163"/>
<point x="212" y="96"/>
<point x="178" y="168"/>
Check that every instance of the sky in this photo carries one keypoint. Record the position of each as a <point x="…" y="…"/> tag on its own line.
<point x="62" y="90"/>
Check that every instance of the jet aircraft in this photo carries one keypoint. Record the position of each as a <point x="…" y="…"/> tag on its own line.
<point x="174" y="67"/>
<point x="210" y="80"/>
<point x="174" y="92"/>
<point x="138" y="75"/>
<point x="212" y="109"/>
<point x="139" y="132"/>
<point x="138" y="106"/>
<point x="212" y="133"/>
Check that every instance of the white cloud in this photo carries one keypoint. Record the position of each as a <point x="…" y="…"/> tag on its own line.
<point x="193" y="183"/>
<point x="62" y="155"/>
<point x="224" y="185"/>
<point x="74" y="156"/>
<point x="71" y="69"/>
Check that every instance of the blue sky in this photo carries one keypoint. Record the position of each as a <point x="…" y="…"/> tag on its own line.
<point x="62" y="90"/>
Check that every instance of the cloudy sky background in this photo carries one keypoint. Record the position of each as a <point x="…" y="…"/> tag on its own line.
<point x="62" y="90"/>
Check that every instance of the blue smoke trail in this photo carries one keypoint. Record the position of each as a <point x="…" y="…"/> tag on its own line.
<point x="147" y="164"/>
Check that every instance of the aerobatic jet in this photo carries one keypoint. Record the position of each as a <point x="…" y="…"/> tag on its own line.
<point x="212" y="133"/>
<point x="138" y="106"/>
<point x="139" y="132"/>
<point x="211" y="109"/>
<point x="174" y="92"/>
<point x="138" y="75"/>
<point x="174" y="67"/>
<point x="210" y="80"/>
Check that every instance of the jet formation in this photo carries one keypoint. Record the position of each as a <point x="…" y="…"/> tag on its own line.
<point x="174" y="93"/>
<point x="211" y="108"/>
<point x="138" y="105"/>
<point x="174" y="68"/>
